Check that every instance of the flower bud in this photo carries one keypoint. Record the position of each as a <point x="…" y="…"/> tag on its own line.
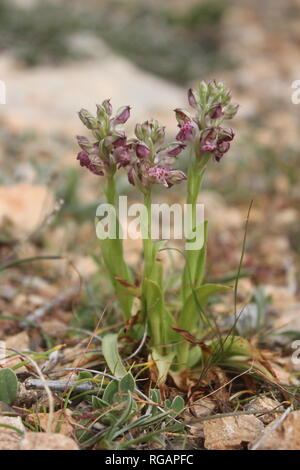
<point x="158" y="135"/>
<point x="192" y="97"/>
<point x="147" y="128"/>
<point x="107" y="106"/>
<point x="87" y="119"/>
<point x="203" y="89"/>
<point x="216" y="111"/>
<point x="231" y="110"/>
<point x="130" y="176"/>
<point x="175" y="177"/>
<point x="123" y="114"/>
<point x="142" y="151"/>
<point x="182" y="116"/>
<point x="139" y="131"/>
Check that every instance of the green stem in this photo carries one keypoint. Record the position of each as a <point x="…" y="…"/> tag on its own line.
<point x="112" y="251"/>
<point x="192" y="277"/>
<point x="193" y="271"/>
<point x="151" y="279"/>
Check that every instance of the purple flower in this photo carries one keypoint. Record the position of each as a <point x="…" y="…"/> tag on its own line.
<point x="165" y="175"/>
<point x="186" y="131"/>
<point x="83" y="158"/>
<point x="84" y="143"/>
<point x="122" y="156"/>
<point x="226" y="135"/>
<point x="96" y="169"/>
<point x="174" y="149"/>
<point x="159" y="174"/>
<point x="208" y="142"/>
<point x="119" y="140"/>
<point x="142" y="151"/>
<point x="85" y="161"/>
<point x="123" y="114"/>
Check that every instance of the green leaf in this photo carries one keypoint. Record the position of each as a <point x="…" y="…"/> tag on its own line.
<point x="189" y="320"/>
<point x="85" y="375"/>
<point x="127" y="383"/>
<point x="111" y="355"/>
<point x="114" y="431"/>
<point x="194" y="269"/>
<point x="112" y="253"/>
<point x="232" y="346"/>
<point x="163" y="364"/>
<point x="8" y="386"/>
<point x="98" y="403"/>
<point x="178" y="404"/>
<point x="154" y="395"/>
<point x="110" y="391"/>
<point x="196" y="302"/>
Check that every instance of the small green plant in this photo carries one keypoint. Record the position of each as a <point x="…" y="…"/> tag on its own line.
<point x="121" y="413"/>
<point x="8" y="386"/>
<point x="176" y="337"/>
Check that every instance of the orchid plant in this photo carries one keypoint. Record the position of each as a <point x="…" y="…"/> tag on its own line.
<point x="149" y="160"/>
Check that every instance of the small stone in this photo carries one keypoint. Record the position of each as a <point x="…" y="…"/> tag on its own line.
<point x="9" y="438"/>
<point x="285" y="437"/>
<point x="265" y="404"/>
<point x="47" y="441"/>
<point x="230" y="432"/>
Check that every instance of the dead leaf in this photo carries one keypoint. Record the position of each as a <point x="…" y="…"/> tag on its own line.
<point x="192" y="339"/>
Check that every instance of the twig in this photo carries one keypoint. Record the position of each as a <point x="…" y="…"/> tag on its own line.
<point x="139" y="346"/>
<point x="16" y="262"/>
<point x="60" y="299"/>
<point x="237" y="413"/>
<point x="273" y="428"/>
<point x="59" y="385"/>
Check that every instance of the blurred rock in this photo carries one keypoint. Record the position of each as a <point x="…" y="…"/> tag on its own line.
<point x="26" y="205"/>
<point x="230" y="432"/>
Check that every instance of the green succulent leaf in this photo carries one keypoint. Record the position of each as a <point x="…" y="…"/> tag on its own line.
<point x="8" y="386"/>
<point x="111" y="355"/>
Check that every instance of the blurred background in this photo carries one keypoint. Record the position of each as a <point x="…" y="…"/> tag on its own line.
<point x="59" y="56"/>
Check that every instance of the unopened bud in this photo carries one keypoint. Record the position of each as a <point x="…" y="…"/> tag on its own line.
<point x="87" y="119"/>
<point x="123" y="114"/>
